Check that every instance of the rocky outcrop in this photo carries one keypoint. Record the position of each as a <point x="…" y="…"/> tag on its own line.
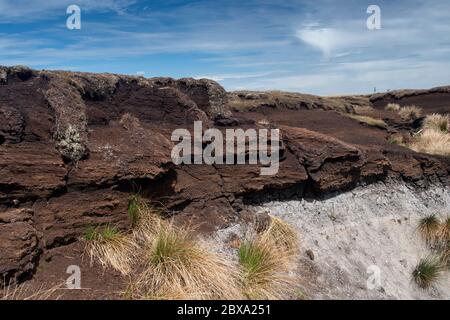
<point x="332" y="164"/>
<point x="19" y="243"/>
<point x="208" y="95"/>
<point x="75" y="146"/>
<point x="11" y="125"/>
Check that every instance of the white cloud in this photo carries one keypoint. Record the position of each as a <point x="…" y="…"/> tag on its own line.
<point x="359" y="77"/>
<point x="234" y="76"/>
<point x="327" y="40"/>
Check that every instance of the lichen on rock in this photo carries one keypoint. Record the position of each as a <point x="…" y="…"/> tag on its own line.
<point x="71" y="123"/>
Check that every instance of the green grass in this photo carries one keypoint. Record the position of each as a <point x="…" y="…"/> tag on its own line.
<point x="265" y="270"/>
<point x="134" y="209"/>
<point x="91" y="234"/>
<point x="110" y="232"/>
<point x="106" y="233"/>
<point x="427" y="272"/>
<point x="253" y="257"/>
<point x="170" y="246"/>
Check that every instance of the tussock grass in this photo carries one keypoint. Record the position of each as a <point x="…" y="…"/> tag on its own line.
<point x="147" y="222"/>
<point x="436" y="122"/>
<point x="445" y="229"/>
<point x="266" y="260"/>
<point x="410" y="113"/>
<point x="134" y="208"/>
<point x="429" y="227"/>
<point x="392" y="107"/>
<point x="427" y="272"/>
<point x="265" y="270"/>
<point x="433" y="138"/>
<point x="179" y="266"/>
<point x="443" y="234"/>
<point x="368" y="120"/>
<point x="111" y="248"/>
<point x="175" y="264"/>
<point x="432" y="142"/>
<point x="283" y="235"/>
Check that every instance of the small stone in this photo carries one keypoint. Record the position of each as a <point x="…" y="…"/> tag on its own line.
<point x="310" y="254"/>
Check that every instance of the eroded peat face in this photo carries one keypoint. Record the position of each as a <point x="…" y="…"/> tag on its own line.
<point x="237" y="147"/>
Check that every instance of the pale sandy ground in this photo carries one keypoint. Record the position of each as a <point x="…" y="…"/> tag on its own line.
<point x="356" y="233"/>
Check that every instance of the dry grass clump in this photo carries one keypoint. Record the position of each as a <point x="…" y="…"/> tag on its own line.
<point x="283" y="234"/>
<point x="436" y="122"/>
<point x="428" y="271"/>
<point x="432" y="142"/>
<point x="443" y="234"/>
<point x="362" y="109"/>
<point x="410" y="113"/>
<point x="14" y="291"/>
<point x="174" y="263"/>
<point x="392" y="107"/>
<point x="443" y="241"/>
<point x="266" y="260"/>
<point x="265" y="270"/>
<point x="111" y="248"/>
<point x="437" y="236"/>
<point x="445" y="256"/>
<point x="368" y="120"/>
<point x="433" y="138"/>
<point x="429" y="227"/>
<point x="179" y="266"/>
<point x="146" y="220"/>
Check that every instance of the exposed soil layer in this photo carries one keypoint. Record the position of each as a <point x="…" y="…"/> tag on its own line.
<point x="75" y="146"/>
<point x="365" y="244"/>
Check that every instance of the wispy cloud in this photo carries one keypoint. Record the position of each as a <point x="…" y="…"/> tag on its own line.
<point x="31" y="10"/>
<point x="319" y="46"/>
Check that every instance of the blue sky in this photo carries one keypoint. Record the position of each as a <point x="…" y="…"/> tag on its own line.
<point x="314" y="46"/>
